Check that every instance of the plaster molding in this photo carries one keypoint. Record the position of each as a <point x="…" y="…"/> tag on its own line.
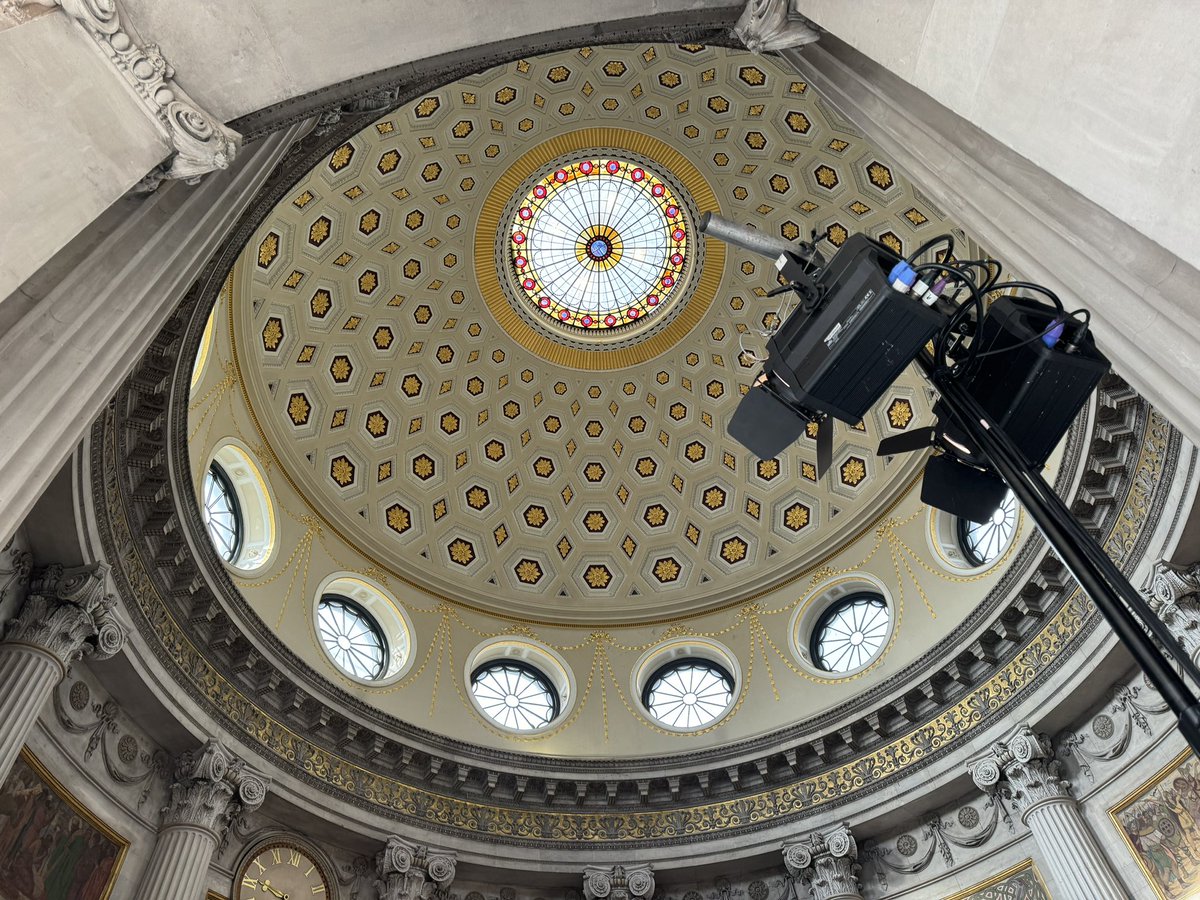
<point x="827" y="861"/>
<point x="1025" y="762"/>
<point x="201" y="142"/>
<point x="634" y="882"/>
<point x="68" y="615"/>
<point x="212" y="789"/>
<point x="768" y="25"/>
<point x="407" y="871"/>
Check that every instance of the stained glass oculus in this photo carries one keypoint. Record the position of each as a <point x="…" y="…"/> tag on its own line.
<point x="983" y="542"/>
<point x="514" y="694"/>
<point x="222" y="517"/>
<point x="851" y="632"/>
<point x="688" y="693"/>
<point x="599" y="244"/>
<point x="351" y="637"/>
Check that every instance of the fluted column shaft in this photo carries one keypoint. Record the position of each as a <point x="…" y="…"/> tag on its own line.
<point x="1070" y="853"/>
<point x="27" y="676"/>
<point x="178" y="868"/>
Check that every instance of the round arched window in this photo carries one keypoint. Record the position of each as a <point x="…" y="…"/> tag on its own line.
<point x="222" y="516"/>
<point x="351" y="637"/>
<point x="850" y="632"/>
<point x="515" y="694"/>
<point x="983" y="542"/>
<point x="689" y="692"/>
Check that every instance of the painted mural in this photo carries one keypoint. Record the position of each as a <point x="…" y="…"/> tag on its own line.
<point x="1160" y="822"/>
<point x="51" y="848"/>
<point x="1021" y="882"/>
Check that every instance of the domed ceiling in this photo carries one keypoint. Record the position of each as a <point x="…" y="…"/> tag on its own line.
<point x="505" y="403"/>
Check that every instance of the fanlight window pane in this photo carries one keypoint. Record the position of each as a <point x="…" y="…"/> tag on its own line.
<point x="983" y="542"/>
<point x="221" y="515"/>
<point x="688" y="693"/>
<point x="850" y="633"/>
<point x="351" y="637"/>
<point x="514" y="694"/>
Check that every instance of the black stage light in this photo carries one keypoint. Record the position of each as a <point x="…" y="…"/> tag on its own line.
<point x="1034" y="368"/>
<point x="836" y="354"/>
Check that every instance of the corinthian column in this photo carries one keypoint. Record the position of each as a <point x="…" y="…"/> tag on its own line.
<point x="1022" y="767"/>
<point x="1175" y="596"/>
<point x="408" y="872"/>
<point x="65" y="616"/>
<point x="827" y="861"/>
<point x="618" y="882"/>
<point x="212" y="788"/>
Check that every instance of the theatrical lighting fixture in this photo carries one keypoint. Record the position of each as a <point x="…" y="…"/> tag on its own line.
<point x="1011" y="377"/>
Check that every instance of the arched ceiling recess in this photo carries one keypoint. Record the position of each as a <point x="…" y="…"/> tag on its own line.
<point x="469" y="455"/>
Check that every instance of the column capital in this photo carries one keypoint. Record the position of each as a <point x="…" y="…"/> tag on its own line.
<point x="407" y="871"/>
<point x="825" y="860"/>
<point x="1025" y="761"/>
<point x="1175" y="596"/>
<point x="618" y="882"/>
<point x="67" y="614"/>
<point x="212" y="788"/>
<point x="772" y="25"/>
<point x="200" y="141"/>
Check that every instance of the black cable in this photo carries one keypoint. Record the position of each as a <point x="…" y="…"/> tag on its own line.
<point x="1030" y="286"/>
<point x="933" y="242"/>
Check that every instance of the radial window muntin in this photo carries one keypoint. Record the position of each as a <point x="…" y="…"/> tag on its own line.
<point x="688" y="693"/>
<point x="598" y="245"/>
<point x="351" y="637"/>
<point x="850" y="633"/>
<point x="221" y="513"/>
<point x="514" y="694"/>
<point x="982" y="543"/>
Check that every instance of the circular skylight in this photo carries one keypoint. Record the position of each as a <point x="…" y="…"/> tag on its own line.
<point x="850" y="633"/>
<point x="353" y="640"/>
<point x="983" y="542"/>
<point x="599" y="243"/>
<point x="688" y="693"/>
<point x="514" y="694"/>
<point x="222" y="519"/>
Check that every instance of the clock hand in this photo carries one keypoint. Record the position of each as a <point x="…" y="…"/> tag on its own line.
<point x="266" y="886"/>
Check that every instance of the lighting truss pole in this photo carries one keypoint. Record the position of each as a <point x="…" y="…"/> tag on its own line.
<point x="1124" y="607"/>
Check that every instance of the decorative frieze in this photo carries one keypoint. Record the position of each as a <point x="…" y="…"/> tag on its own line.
<point x="767" y="25"/>
<point x="618" y="882"/>
<point x="201" y="142"/>
<point x="406" y="871"/>
<point x="827" y="861"/>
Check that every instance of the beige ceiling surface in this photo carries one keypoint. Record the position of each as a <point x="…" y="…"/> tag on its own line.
<point x="456" y="457"/>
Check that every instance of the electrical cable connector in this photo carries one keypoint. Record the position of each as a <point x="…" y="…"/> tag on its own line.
<point x="902" y="277"/>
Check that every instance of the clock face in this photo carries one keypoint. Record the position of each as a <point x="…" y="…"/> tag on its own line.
<point x="281" y="871"/>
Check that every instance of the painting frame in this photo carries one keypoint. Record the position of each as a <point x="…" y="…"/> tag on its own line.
<point x="1139" y="793"/>
<point x="1017" y="869"/>
<point x="89" y="818"/>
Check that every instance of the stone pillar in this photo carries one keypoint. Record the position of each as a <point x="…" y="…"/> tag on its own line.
<point x="66" y="615"/>
<point x="1024" y="761"/>
<point x="767" y="25"/>
<point x="1175" y="596"/>
<point x="826" y="861"/>
<point x="406" y="871"/>
<point x="212" y="788"/>
<point x="618" y="882"/>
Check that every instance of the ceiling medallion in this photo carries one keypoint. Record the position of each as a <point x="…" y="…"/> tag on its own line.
<point x="599" y="246"/>
<point x="586" y="250"/>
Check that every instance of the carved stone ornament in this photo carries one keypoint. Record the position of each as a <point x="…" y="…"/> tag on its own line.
<point x="67" y="614"/>
<point x="767" y="25"/>
<point x="1025" y="762"/>
<point x="201" y="142"/>
<point x="1175" y="596"/>
<point x="827" y="861"/>
<point x="407" y="871"/>
<point x="618" y="882"/>
<point x="212" y="788"/>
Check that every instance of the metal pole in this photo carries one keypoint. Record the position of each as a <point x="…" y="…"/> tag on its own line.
<point x="1109" y="590"/>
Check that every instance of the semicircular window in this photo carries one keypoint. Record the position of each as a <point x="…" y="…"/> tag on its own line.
<point x="688" y="693"/>
<point x="983" y="542"/>
<point x="851" y="632"/>
<point x="351" y="637"/>
<point x="222" y="516"/>
<point x="514" y="694"/>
